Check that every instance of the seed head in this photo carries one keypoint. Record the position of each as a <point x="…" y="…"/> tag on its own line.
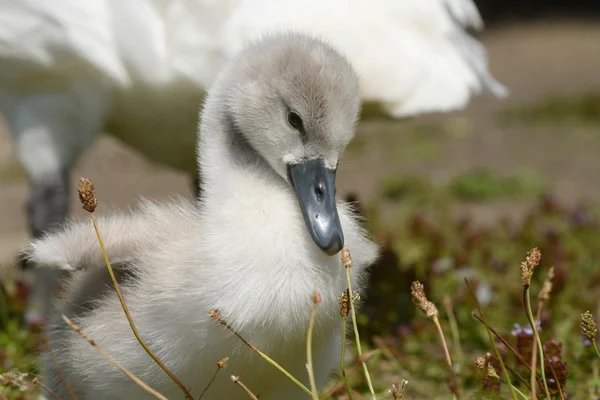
<point x="481" y="362"/>
<point x="86" y="195"/>
<point x="346" y="257"/>
<point x="344" y="301"/>
<point x="533" y="259"/>
<point x="215" y="315"/>
<point x="420" y="300"/>
<point x="316" y="297"/>
<point x="588" y="326"/>
<point x="547" y="286"/>
<point x="222" y="362"/>
<point x="397" y="391"/>
<point x="15" y="379"/>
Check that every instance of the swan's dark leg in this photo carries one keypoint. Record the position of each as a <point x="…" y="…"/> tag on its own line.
<point x="51" y="129"/>
<point x="48" y="203"/>
<point x="47" y="209"/>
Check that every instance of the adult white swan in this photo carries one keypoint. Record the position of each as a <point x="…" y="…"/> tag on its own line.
<point x="139" y="68"/>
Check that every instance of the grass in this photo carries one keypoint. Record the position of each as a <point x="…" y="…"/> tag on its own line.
<point x="564" y="109"/>
<point x="482" y="185"/>
<point x="390" y="139"/>
<point x="442" y="252"/>
<point x="477" y="185"/>
<point x="401" y="345"/>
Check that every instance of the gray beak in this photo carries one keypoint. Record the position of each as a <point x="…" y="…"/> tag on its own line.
<point x="315" y="189"/>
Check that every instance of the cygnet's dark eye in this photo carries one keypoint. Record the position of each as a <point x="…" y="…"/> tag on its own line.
<point x="295" y="121"/>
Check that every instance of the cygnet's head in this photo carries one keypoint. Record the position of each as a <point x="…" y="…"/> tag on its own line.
<point x="296" y="102"/>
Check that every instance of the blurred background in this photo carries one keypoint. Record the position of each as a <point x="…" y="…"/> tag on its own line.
<point x="450" y="195"/>
<point x="544" y="135"/>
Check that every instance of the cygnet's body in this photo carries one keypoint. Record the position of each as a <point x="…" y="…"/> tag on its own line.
<point x="264" y="236"/>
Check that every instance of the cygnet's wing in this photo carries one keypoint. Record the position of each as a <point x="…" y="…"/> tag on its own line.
<point x="125" y="235"/>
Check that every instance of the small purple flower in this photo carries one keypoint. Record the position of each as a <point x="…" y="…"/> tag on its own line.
<point x="526" y="329"/>
<point x="585" y="341"/>
<point x="516" y="331"/>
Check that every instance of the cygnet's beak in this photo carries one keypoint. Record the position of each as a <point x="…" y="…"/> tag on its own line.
<point x="314" y="184"/>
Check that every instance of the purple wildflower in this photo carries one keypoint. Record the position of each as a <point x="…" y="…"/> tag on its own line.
<point x="586" y="342"/>
<point x="526" y="329"/>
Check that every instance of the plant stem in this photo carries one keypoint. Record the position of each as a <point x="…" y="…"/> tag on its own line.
<point x="560" y="393"/>
<point x="534" y="354"/>
<point x="283" y="370"/>
<point x="100" y="350"/>
<point x="209" y="383"/>
<point x="504" y="371"/>
<point x="537" y="336"/>
<point x="128" y="315"/>
<point x="236" y="379"/>
<point x="309" y="366"/>
<point x="443" y="339"/>
<point x="453" y="384"/>
<point x="356" y="335"/>
<point x="36" y="381"/>
<point x="479" y="393"/>
<point x="519" y="356"/>
<point x="454" y="329"/>
<point x="515" y="373"/>
<point x="58" y="369"/>
<point x="268" y="359"/>
<point x="596" y="348"/>
<point x="342" y="359"/>
<point x="521" y="393"/>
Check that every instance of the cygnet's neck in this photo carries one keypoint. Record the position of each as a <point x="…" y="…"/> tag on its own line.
<point x="224" y="153"/>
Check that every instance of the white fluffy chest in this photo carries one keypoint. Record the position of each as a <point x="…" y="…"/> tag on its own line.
<point x="251" y="257"/>
<point x="259" y="266"/>
<point x="264" y="266"/>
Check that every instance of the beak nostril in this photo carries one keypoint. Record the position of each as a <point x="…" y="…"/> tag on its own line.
<point x="319" y="192"/>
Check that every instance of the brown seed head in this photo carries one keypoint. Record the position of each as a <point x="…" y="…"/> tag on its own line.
<point x="14" y="378"/>
<point x="86" y="195"/>
<point x="420" y="300"/>
<point x="481" y="362"/>
<point x="529" y="265"/>
<point x="588" y="326"/>
<point x="417" y="292"/>
<point x="344" y="301"/>
<point x="547" y="286"/>
<point x="346" y="257"/>
<point x="316" y="297"/>
<point x="397" y="391"/>
<point x="215" y="315"/>
<point x="491" y="371"/>
<point x="525" y="274"/>
<point x="534" y="256"/>
<point x="222" y="362"/>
